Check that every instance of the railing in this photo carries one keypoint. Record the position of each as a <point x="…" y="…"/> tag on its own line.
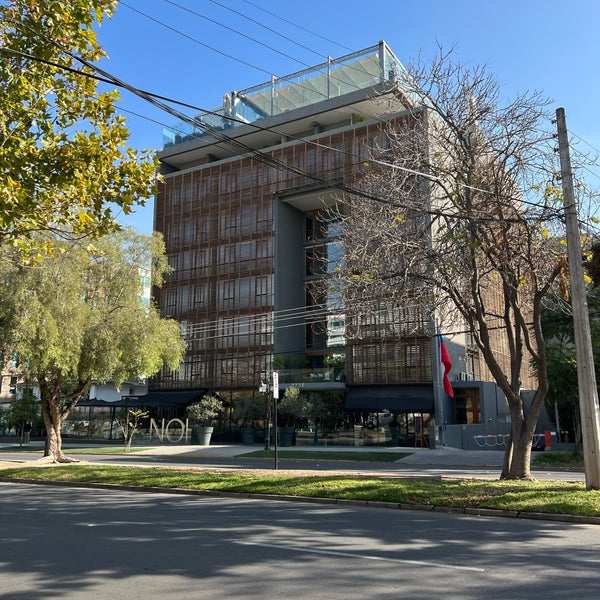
<point x="331" y="79"/>
<point x="327" y="375"/>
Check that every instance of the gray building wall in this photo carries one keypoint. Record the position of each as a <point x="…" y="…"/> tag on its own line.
<point x="288" y="287"/>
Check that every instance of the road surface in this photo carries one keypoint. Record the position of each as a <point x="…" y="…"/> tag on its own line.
<point x="82" y="544"/>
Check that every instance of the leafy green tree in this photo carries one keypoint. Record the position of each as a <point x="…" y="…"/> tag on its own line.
<point x="65" y="165"/>
<point x="79" y="317"/>
<point x="557" y="321"/>
<point x="204" y="410"/>
<point x="327" y="409"/>
<point x="248" y="408"/>
<point x="292" y="408"/>
<point x="22" y="410"/>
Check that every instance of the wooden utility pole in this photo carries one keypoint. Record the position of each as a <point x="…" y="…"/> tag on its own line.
<point x="586" y="376"/>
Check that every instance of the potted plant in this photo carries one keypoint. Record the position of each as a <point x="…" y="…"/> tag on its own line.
<point x="201" y="414"/>
<point x="326" y="409"/>
<point x="290" y="410"/>
<point x="248" y="409"/>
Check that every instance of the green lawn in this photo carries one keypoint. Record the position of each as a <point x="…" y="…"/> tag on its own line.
<point x="558" y="460"/>
<point x="329" y="455"/>
<point x="284" y="454"/>
<point x="74" y="450"/>
<point x="539" y="496"/>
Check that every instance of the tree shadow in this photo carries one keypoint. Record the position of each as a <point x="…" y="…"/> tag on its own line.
<point x="76" y="543"/>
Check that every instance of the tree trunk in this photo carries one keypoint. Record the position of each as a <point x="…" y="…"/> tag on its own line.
<point x="53" y="421"/>
<point x="517" y="456"/>
<point x="128" y="439"/>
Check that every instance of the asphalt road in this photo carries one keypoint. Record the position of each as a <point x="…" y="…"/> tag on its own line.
<point x="79" y="544"/>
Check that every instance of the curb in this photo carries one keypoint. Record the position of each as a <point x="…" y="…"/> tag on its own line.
<point x="472" y="512"/>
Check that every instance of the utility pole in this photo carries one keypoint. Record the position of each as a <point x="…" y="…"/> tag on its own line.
<point x="586" y="376"/>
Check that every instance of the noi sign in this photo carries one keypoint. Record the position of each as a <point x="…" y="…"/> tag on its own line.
<point x="173" y="431"/>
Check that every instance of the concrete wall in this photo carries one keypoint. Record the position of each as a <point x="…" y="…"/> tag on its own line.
<point x="288" y="287"/>
<point x="475" y="437"/>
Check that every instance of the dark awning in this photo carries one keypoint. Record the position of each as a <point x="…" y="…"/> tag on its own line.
<point x="126" y="401"/>
<point x="153" y="399"/>
<point x="394" y="398"/>
<point x="160" y="398"/>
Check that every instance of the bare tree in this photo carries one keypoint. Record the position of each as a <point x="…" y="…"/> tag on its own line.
<point x="130" y="421"/>
<point x="456" y="217"/>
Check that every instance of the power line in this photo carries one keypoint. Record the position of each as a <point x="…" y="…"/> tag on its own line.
<point x="278" y="33"/>
<point x="291" y="78"/>
<point x="156" y="100"/>
<point x="240" y="33"/>
<point x="296" y="25"/>
<point x="233" y="119"/>
<point x="571" y="133"/>
<point x="242" y="324"/>
<point x="238" y="146"/>
<point x="195" y="40"/>
<point x="218" y="332"/>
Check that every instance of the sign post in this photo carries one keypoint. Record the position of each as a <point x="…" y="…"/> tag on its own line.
<point x="275" y="399"/>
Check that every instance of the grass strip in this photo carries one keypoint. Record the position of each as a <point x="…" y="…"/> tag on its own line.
<point x="328" y="455"/>
<point x="558" y="460"/>
<point x="283" y="454"/>
<point x="77" y="449"/>
<point x="567" y="498"/>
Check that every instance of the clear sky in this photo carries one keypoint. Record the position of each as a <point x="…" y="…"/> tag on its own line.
<point x="195" y="51"/>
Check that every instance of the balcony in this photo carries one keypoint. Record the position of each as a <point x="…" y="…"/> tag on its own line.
<point x="336" y="77"/>
<point x="313" y="379"/>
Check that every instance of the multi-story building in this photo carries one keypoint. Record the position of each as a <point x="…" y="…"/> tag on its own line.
<point x="243" y="210"/>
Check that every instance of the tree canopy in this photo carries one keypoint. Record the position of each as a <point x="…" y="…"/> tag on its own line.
<point x="66" y="167"/>
<point x="563" y="392"/>
<point x="79" y="317"/>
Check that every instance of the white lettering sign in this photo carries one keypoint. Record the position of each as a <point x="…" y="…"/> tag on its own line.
<point x="174" y="430"/>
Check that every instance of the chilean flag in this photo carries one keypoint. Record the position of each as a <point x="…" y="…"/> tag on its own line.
<point x="447" y="365"/>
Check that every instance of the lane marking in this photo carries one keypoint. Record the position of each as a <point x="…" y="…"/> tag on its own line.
<point x="418" y="563"/>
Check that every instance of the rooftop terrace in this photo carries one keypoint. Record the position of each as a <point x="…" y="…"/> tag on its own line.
<point x="336" y="77"/>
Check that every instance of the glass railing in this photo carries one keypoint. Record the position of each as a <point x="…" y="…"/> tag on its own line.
<point x="326" y="375"/>
<point x="331" y="79"/>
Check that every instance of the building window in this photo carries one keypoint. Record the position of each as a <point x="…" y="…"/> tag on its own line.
<point x="227" y="293"/>
<point x="200" y="295"/>
<point x="171" y="295"/>
<point x="467" y="406"/>
<point x="230" y="223"/>
<point x="262" y="290"/>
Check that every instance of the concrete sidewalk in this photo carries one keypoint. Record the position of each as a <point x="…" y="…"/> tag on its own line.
<point x="444" y="456"/>
<point x="417" y="456"/>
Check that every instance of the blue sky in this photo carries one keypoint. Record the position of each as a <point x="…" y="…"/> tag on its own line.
<point x="551" y="46"/>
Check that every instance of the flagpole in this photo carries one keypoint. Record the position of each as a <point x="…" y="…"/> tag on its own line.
<point x="438" y="387"/>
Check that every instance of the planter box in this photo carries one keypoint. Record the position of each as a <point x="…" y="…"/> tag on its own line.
<point x="202" y="435"/>
<point x="286" y="435"/>
<point x="248" y="435"/>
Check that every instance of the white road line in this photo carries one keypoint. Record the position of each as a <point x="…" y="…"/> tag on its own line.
<point x="419" y="563"/>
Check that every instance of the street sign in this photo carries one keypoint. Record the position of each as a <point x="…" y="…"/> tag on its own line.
<point x="275" y="384"/>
